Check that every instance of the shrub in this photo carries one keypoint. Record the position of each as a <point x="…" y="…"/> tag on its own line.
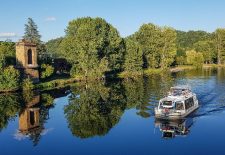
<point x="46" y="71"/>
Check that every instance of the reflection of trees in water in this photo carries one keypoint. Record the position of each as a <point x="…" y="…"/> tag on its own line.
<point x="9" y="106"/>
<point x="136" y="96"/>
<point x="94" y="109"/>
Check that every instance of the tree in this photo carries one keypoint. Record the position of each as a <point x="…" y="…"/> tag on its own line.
<point x="90" y="43"/>
<point x="7" y="54"/>
<point x="220" y="45"/>
<point x="148" y="36"/>
<point x="168" y="44"/>
<point x="207" y="49"/>
<point x="9" y="79"/>
<point x="31" y="32"/>
<point x="133" y="57"/>
<point x="195" y="58"/>
<point x="46" y="71"/>
<point x="158" y="44"/>
<point x="53" y="47"/>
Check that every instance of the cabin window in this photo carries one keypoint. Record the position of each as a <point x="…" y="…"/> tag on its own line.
<point x="189" y="103"/>
<point x="167" y="103"/>
<point x="179" y="106"/>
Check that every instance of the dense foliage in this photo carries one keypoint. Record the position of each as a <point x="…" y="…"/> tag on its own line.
<point x="46" y="71"/>
<point x="7" y="53"/>
<point x="93" y="46"/>
<point x="9" y="79"/>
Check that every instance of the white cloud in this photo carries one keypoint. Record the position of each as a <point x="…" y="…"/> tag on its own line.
<point x="8" y="35"/>
<point x="50" y="19"/>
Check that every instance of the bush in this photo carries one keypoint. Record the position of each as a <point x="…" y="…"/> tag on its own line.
<point x="9" y="79"/>
<point x="46" y="71"/>
<point x="27" y="84"/>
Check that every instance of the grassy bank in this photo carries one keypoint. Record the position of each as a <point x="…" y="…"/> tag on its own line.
<point x="57" y="83"/>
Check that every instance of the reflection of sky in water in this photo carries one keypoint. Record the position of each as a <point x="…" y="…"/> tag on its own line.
<point x="133" y="134"/>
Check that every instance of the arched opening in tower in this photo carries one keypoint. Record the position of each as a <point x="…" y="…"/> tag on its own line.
<point x="29" y="57"/>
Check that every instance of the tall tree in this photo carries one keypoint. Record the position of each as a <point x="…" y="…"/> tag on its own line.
<point x="207" y="49"/>
<point x="31" y="32"/>
<point x="93" y="46"/>
<point x="133" y="57"/>
<point x="148" y="36"/>
<point x="220" y="45"/>
<point x="168" y="47"/>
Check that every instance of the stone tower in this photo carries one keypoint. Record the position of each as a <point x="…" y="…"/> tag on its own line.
<point x="26" y="60"/>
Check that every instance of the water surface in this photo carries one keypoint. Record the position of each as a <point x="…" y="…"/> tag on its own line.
<point x="114" y="117"/>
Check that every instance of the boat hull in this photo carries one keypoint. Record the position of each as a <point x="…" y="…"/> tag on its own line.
<point x="175" y="116"/>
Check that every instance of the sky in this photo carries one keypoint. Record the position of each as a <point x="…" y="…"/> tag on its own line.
<point x="52" y="16"/>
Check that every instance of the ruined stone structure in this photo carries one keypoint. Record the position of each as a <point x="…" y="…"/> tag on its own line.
<point x="26" y="60"/>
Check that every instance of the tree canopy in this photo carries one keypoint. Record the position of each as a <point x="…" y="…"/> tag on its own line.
<point x="93" y="46"/>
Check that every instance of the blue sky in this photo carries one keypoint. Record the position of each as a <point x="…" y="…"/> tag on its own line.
<point x="52" y="16"/>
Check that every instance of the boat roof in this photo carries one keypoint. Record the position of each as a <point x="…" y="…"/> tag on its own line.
<point x="175" y="98"/>
<point x="185" y="87"/>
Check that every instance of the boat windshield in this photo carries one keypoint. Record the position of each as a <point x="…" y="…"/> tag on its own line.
<point x="167" y="103"/>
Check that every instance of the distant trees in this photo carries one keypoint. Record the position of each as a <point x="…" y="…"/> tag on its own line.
<point x="53" y="47"/>
<point x="220" y="45"/>
<point x="93" y="47"/>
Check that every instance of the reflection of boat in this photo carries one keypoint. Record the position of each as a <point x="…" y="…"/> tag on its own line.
<point x="171" y="129"/>
<point x="178" y="104"/>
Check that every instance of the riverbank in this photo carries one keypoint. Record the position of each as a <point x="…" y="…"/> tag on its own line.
<point x="170" y="70"/>
<point x="64" y="81"/>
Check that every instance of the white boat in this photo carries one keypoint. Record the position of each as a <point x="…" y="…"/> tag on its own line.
<point x="179" y="103"/>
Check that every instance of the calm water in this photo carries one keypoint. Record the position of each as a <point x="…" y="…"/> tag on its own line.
<point x="114" y="118"/>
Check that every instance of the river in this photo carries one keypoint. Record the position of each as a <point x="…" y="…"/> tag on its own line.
<point x="115" y="117"/>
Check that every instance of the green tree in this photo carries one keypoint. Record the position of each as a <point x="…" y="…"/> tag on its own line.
<point x="133" y="57"/>
<point x="220" y="45"/>
<point x="148" y="36"/>
<point x="46" y="71"/>
<point x="9" y="79"/>
<point x="87" y="42"/>
<point x="168" y="44"/>
<point x="32" y="34"/>
<point x="207" y="49"/>
<point x="195" y="58"/>
<point x="7" y="53"/>
<point x="158" y="44"/>
<point x="53" y="47"/>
